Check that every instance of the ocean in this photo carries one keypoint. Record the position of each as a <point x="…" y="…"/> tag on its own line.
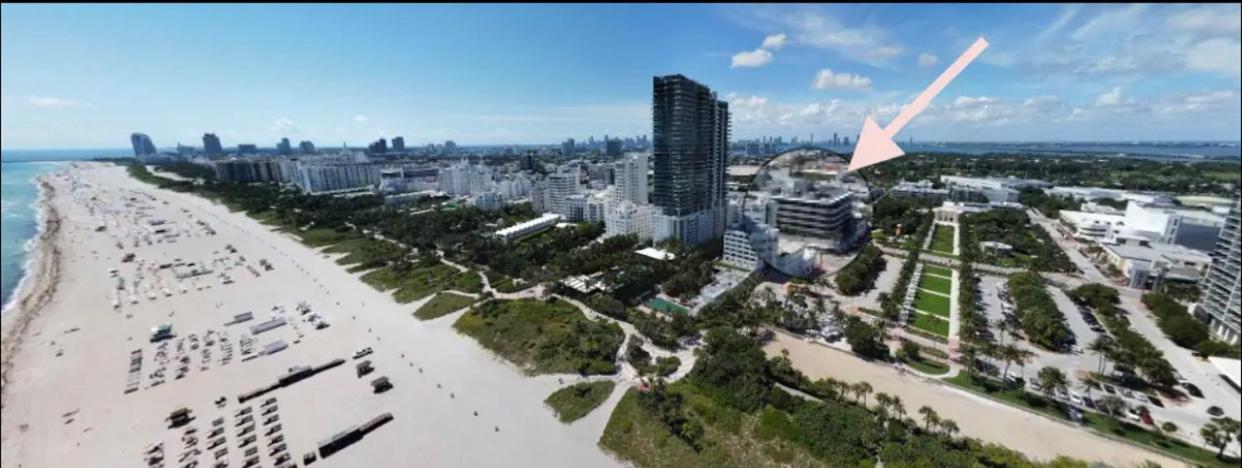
<point x="18" y="216"/>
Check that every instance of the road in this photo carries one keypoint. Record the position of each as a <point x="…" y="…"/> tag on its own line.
<point x="1070" y="247"/>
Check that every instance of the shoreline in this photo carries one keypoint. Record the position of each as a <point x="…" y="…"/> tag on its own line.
<point x="69" y="403"/>
<point x="37" y="286"/>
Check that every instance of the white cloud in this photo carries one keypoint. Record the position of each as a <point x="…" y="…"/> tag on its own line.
<point x="756" y="58"/>
<point x="1109" y="99"/>
<point x="826" y="79"/>
<point x="1214" y="97"/>
<point x="969" y="101"/>
<point x="1202" y="102"/>
<point x="1215" y="55"/>
<point x="52" y="102"/>
<point x="1000" y="59"/>
<point x="360" y="118"/>
<point x="774" y="42"/>
<point x="748" y="102"/>
<point x="284" y="126"/>
<point x="1068" y="13"/>
<point x="807" y="27"/>
<point x="1219" y="19"/>
<point x="1114" y="20"/>
<point x="927" y="59"/>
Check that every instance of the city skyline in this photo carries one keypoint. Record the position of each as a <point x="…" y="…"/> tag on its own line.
<point x="332" y="73"/>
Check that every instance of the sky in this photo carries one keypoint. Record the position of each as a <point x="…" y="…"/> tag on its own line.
<point x="86" y="76"/>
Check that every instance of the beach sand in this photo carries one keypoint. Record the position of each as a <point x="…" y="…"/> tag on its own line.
<point x="976" y="416"/>
<point x="65" y="400"/>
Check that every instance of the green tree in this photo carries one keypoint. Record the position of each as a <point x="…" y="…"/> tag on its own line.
<point x="1052" y="380"/>
<point x="930" y="417"/>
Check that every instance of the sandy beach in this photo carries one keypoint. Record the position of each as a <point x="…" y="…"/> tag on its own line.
<point x="85" y="386"/>
<point x="976" y="416"/>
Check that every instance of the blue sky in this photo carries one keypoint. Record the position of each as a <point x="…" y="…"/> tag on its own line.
<point x="79" y="76"/>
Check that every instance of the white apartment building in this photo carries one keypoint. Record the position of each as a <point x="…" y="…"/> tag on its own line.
<point x="558" y="187"/>
<point x="631" y="179"/>
<point x="464" y="178"/>
<point x="586" y="207"/>
<point x="750" y="249"/>
<point x="625" y="217"/>
<point x="488" y="201"/>
<point x="316" y="177"/>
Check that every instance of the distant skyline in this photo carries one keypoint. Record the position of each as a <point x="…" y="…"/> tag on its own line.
<point x="86" y="76"/>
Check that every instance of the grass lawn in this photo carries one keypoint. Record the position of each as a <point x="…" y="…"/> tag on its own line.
<point x="928" y="302"/>
<point x="730" y="437"/>
<point x="936" y="283"/>
<point x="415" y="284"/>
<point x="575" y="401"/>
<point x="942" y="239"/>
<point x="1098" y="422"/>
<point x="441" y="305"/>
<point x="930" y="323"/>
<point x="938" y="270"/>
<point x="505" y="283"/>
<point x="542" y="337"/>
<point x="467" y="281"/>
<point x="320" y="237"/>
<point x="928" y="366"/>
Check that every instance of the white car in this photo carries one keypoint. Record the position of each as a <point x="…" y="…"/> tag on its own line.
<point x="1075" y="398"/>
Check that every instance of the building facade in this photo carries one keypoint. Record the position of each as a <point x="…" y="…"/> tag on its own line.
<point x="690" y="144"/>
<point x="211" y="145"/>
<point x="1221" y="302"/>
<point x="142" y="144"/>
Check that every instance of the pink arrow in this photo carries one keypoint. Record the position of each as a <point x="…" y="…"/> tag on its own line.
<point x="875" y="144"/>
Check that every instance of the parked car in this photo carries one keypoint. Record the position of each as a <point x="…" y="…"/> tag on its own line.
<point x="1146" y="417"/>
<point x="1077" y="400"/>
<point x="1193" y="390"/>
<point x="1133" y="415"/>
<point x="1074" y="414"/>
<point x="1155" y="401"/>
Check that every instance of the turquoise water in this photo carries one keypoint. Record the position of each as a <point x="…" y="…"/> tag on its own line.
<point x="18" y="217"/>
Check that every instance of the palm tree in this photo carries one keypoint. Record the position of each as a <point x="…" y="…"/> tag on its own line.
<point x="861" y="390"/>
<point x="1022" y="356"/>
<point x="1102" y="346"/>
<point x="949" y="427"/>
<point x="930" y="417"/>
<point x="1008" y="354"/>
<point x="1052" y="379"/>
<point x="899" y="408"/>
<point x="883" y="401"/>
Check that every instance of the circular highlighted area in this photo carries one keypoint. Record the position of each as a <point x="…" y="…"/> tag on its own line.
<point x="802" y="214"/>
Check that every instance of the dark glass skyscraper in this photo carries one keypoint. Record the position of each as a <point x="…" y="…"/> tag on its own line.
<point x="398" y="144"/>
<point x="689" y="143"/>
<point x="211" y="144"/>
<point x="142" y="144"/>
